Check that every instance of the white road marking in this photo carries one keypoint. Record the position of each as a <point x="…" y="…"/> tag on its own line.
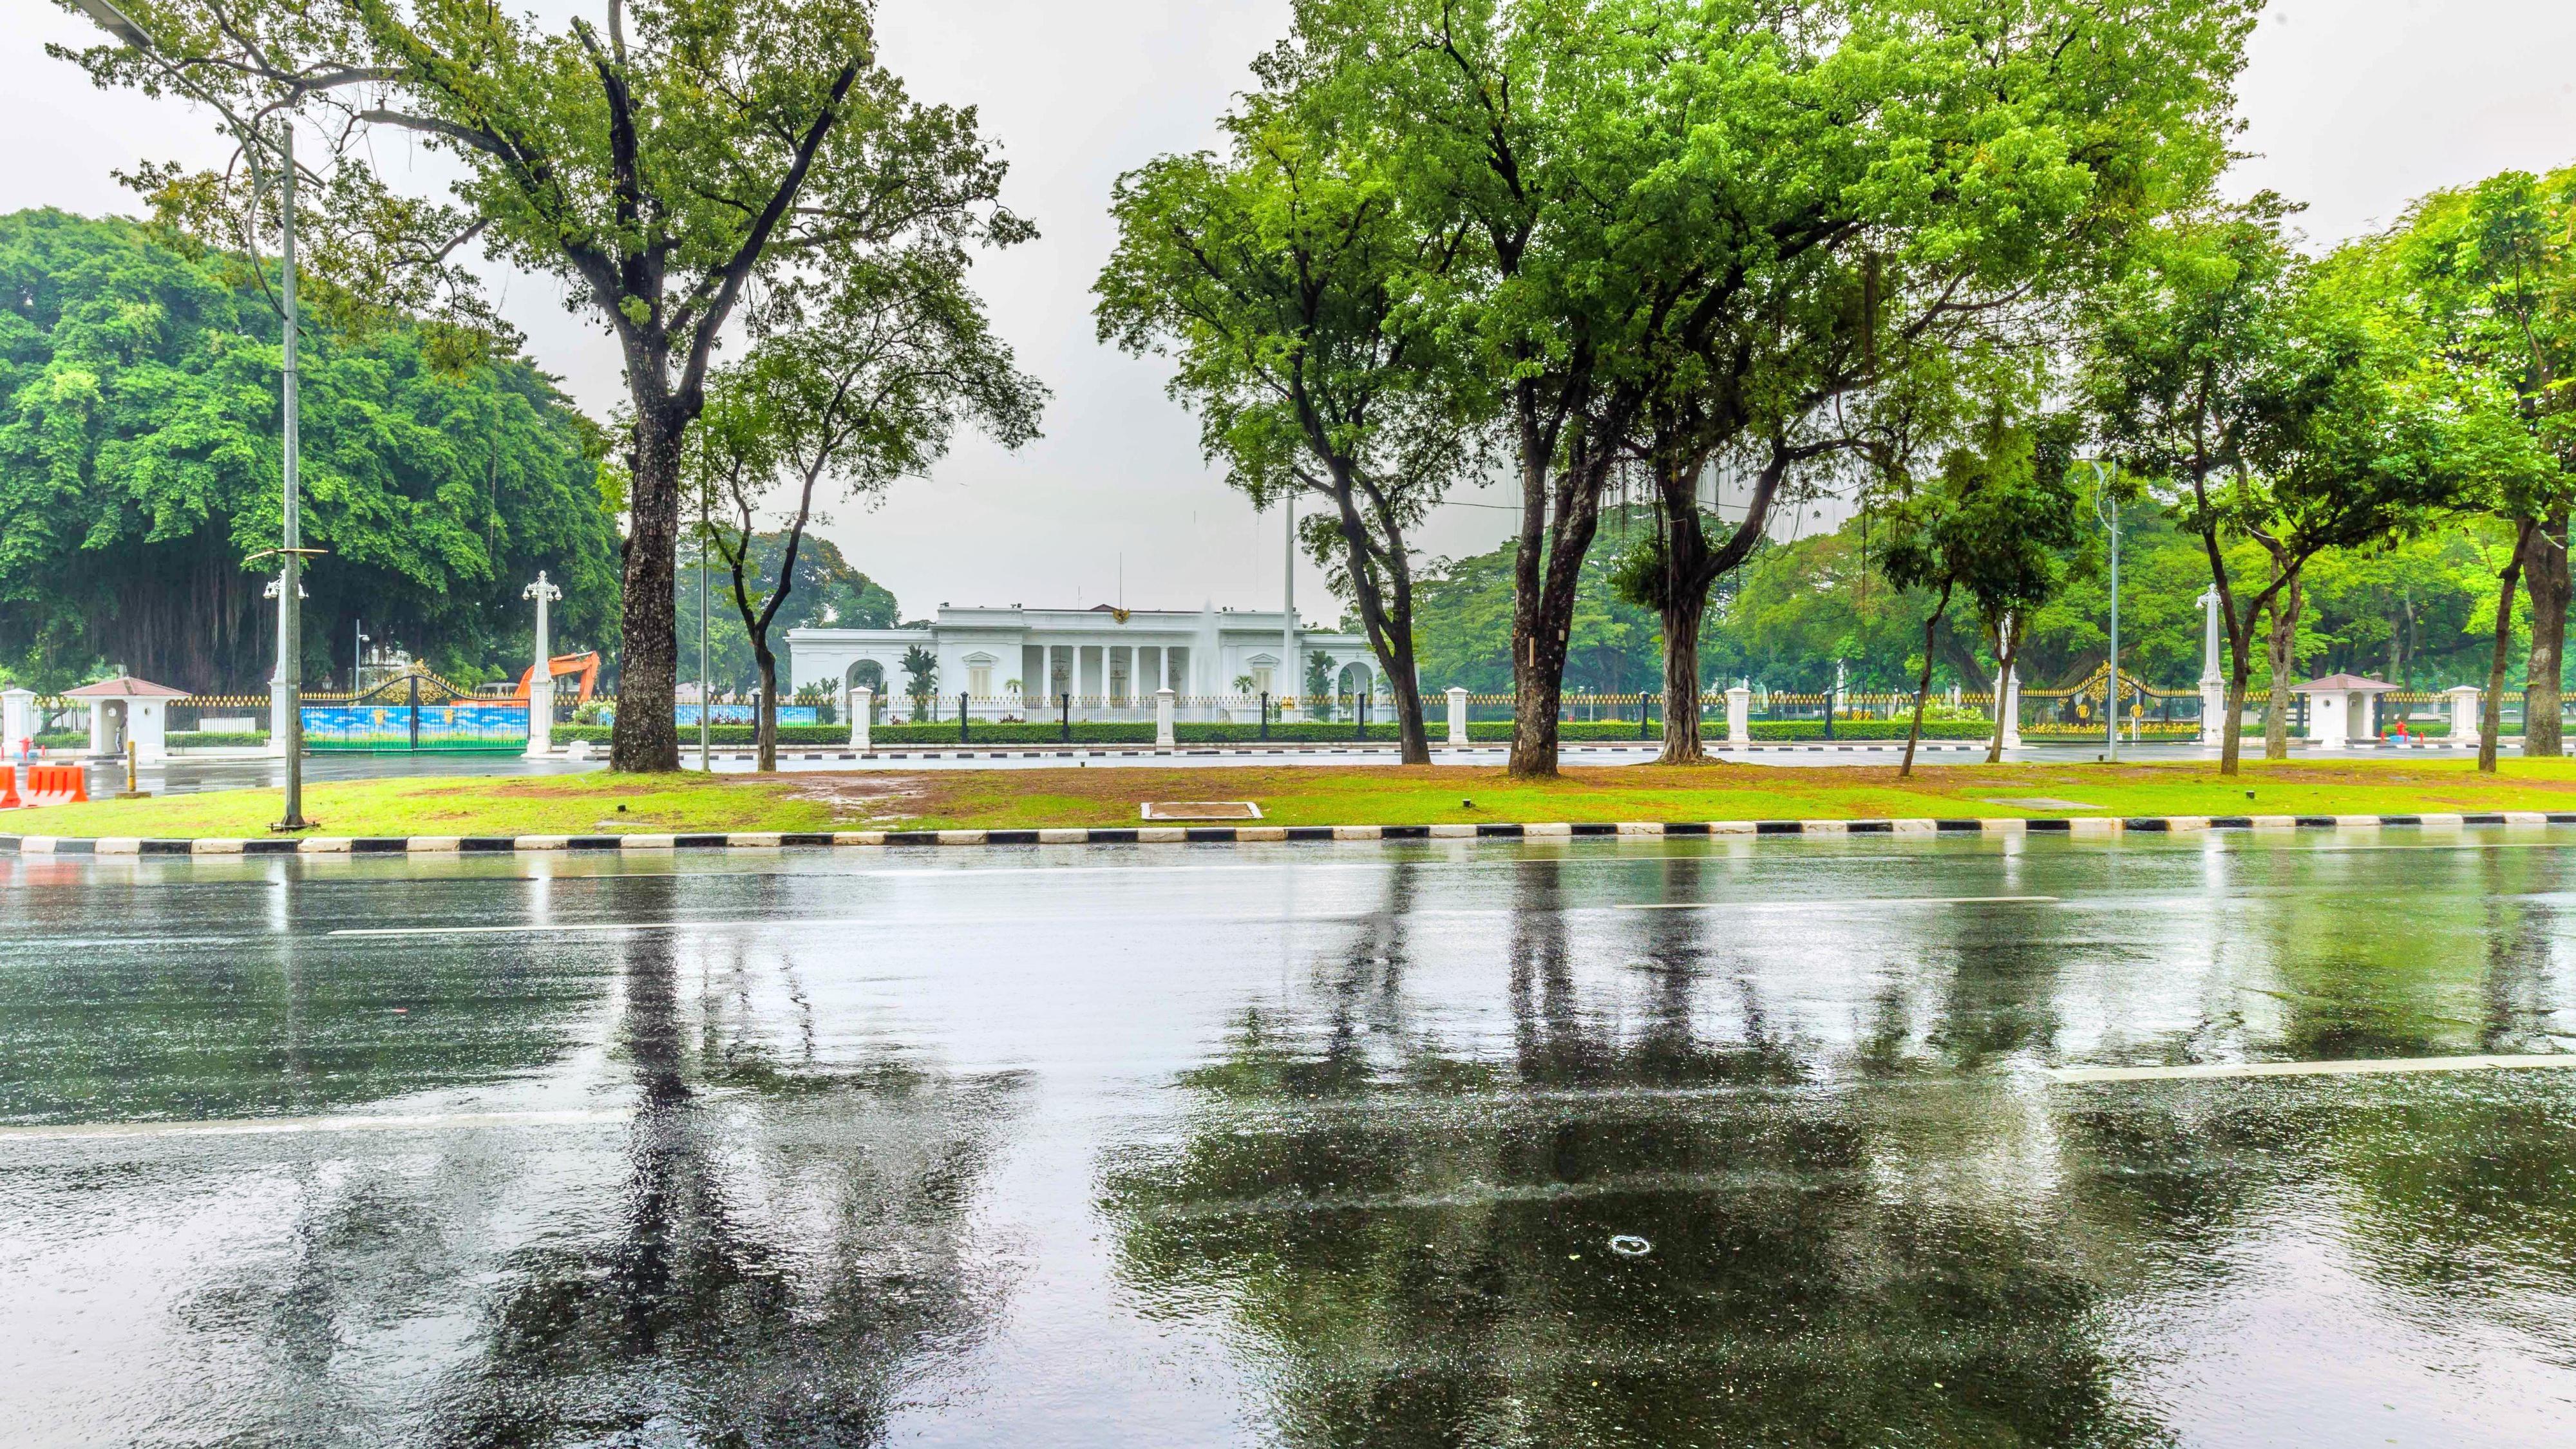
<point x="272" y="1126"/>
<point x="535" y="928"/>
<point x="1839" y="903"/>
<point x="2364" y="1067"/>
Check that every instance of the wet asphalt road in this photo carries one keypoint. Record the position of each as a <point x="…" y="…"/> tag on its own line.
<point x="1606" y="1142"/>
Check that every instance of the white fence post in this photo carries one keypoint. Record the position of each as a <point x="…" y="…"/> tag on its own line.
<point x="1163" y="700"/>
<point x="1457" y="717"/>
<point x="17" y="723"/>
<point x="863" y="704"/>
<point x="1739" y="716"/>
<point x="2468" y="714"/>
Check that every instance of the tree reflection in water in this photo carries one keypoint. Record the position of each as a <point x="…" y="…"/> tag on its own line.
<point x="1412" y="1244"/>
<point x="785" y="1258"/>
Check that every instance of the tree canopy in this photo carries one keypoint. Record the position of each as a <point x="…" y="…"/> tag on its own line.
<point x="666" y="166"/>
<point x="139" y="465"/>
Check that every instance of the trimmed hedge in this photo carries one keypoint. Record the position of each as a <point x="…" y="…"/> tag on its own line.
<point x="1137" y="732"/>
<point x="217" y="739"/>
<point x="1861" y="729"/>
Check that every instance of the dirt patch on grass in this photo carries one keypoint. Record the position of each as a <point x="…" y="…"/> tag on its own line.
<point x="862" y="796"/>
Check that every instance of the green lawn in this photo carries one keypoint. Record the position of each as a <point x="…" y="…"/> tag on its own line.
<point x="1336" y="795"/>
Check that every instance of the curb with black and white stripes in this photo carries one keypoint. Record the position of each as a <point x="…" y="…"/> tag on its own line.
<point x="111" y="845"/>
<point x="1146" y="752"/>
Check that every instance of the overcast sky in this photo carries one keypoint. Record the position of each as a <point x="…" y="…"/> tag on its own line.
<point x="2353" y="106"/>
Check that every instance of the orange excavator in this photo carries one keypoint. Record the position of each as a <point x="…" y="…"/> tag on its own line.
<point x="584" y="665"/>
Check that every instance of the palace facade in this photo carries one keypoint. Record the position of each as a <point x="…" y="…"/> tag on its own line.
<point x="1111" y="661"/>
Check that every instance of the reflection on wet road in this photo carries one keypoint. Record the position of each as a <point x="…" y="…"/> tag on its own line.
<point x="1715" y="1142"/>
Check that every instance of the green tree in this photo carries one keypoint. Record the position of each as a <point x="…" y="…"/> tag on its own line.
<point x="859" y="381"/>
<point x="921" y="680"/>
<point x="139" y="459"/>
<point x="1277" y="277"/>
<point x="1996" y="524"/>
<point x="827" y="591"/>
<point x="2274" y="406"/>
<point x="1465" y="613"/>
<point x="2492" y="273"/>
<point x="1652" y="190"/>
<point x="695" y="154"/>
<point x="1319" y="685"/>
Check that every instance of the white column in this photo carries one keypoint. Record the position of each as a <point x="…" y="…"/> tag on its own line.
<point x="280" y="712"/>
<point x="1289" y="673"/>
<point x="1457" y="716"/>
<point x="2328" y="713"/>
<point x="1739" y="716"/>
<point x="863" y="703"/>
<point x="98" y="726"/>
<point x="2468" y="718"/>
<point x="144" y="725"/>
<point x="2213" y="683"/>
<point x="17" y="722"/>
<point x="2012" y="709"/>
<point x="1163" y="718"/>
<point x="541" y="678"/>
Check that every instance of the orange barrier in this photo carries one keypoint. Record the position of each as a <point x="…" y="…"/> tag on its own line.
<point x="9" y="787"/>
<point x="57" y="785"/>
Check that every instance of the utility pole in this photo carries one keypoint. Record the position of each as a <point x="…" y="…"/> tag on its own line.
<point x="290" y="603"/>
<point x="2108" y="509"/>
<point x="1294" y="681"/>
<point x="706" y="734"/>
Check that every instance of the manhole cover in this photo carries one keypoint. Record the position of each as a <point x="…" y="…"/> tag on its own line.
<point x="1201" y="810"/>
<point x="2039" y="802"/>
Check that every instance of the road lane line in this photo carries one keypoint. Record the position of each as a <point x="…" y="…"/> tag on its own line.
<point x="2363" y="1067"/>
<point x="274" y="1126"/>
<point x="1835" y="903"/>
<point x="531" y="928"/>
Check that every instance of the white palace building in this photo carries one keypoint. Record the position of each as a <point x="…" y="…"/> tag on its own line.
<point x="1020" y="663"/>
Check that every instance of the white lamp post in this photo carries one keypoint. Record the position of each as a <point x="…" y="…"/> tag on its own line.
<point x="2109" y="512"/>
<point x="2213" y="685"/>
<point x="541" y="680"/>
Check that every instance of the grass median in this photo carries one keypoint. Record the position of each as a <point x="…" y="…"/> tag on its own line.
<point x="1317" y="795"/>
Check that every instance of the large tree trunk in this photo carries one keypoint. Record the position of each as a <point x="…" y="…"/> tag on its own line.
<point x="766" y="731"/>
<point x="1691" y="568"/>
<point x="2231" y="746"/>
<point x="2545" y="575"/>
<point x="647" y="733"/>
<point x="1923" y="684"/>
<point x="2492" y="716"/>
<point x="1389" y="626"/>
<point x="1683" y="743"/>
<point x="1546" y="571"/>
<point x="2285" y="626"/>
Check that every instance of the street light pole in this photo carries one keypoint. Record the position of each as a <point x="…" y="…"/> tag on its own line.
<point x="706" y="733"/>
<point x="290" y="610"/>
<point x="2108" y="510"/>
<point x="286" y="723"/>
